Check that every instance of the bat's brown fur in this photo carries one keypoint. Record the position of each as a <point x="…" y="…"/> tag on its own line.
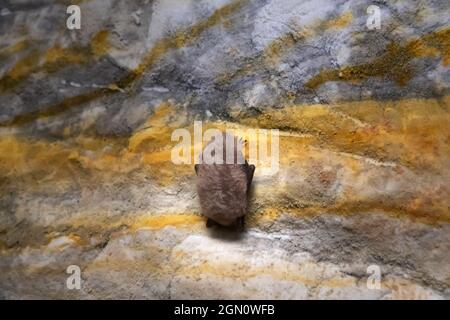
<point x="223" y="188"/>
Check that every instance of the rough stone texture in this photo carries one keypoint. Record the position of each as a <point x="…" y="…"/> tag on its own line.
<point x="86" y="176"/>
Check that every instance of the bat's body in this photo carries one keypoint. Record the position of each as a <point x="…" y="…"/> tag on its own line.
<point x="223" y="188"/>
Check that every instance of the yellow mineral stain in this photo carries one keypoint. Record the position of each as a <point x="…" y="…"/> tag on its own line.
<point x="100" y="44"/>
<point x="58" y="54"/>
<point x="433" y="44"/>
<point x="76" y="238"/>
<point x="395" y="63"/>
<point x="156" y="131"/>
<point x="39" y="164"/>
<point x="160" y="221"/>
<point x="57" y="57"/>
<point x="100" y="222"/>
<point x="263" y="216"/>
<point x="153" y="142"/>
<point x="20" y="70"/>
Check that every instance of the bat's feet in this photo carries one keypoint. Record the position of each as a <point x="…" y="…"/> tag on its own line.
<point x="210" y="223"/>
<point x="240" y="224"/>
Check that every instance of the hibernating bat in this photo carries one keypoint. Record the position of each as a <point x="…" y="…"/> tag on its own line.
<point x="223" y="186"/>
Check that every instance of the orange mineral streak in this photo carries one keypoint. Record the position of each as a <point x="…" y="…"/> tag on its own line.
<point x="320" y="143"/>
<point x="155" y="222"/>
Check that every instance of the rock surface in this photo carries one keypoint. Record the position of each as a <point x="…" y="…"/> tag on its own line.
<point x="86" y="176"/>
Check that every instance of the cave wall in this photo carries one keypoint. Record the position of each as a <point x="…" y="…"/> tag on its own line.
<point x="86" y="176"/>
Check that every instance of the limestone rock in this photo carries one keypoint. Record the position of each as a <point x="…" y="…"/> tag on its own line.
<point x="86" y="176"/>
